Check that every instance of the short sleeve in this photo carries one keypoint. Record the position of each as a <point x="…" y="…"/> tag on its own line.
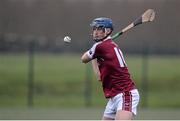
<point x="92" y="52"/>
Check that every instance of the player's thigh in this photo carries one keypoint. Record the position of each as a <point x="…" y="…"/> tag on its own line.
<point x="123" y="115"/>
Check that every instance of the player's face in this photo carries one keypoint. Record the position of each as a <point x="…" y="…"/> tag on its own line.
<point x="98" y="33"/>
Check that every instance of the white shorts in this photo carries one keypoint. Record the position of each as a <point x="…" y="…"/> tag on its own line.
<point x="127" y="101"/>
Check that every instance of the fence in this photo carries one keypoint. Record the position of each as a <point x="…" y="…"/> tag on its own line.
<point x="40" y="79"/>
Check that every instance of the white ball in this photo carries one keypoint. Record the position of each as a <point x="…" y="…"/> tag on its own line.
<point x="67" y="39"/>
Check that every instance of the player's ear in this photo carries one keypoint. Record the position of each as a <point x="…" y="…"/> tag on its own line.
<point x="108" y="31"/>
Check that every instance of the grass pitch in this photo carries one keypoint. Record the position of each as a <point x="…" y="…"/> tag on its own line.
<point x="60" y="80"/>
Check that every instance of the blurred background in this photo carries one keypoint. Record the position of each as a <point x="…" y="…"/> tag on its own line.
<point x="41" y="77"/>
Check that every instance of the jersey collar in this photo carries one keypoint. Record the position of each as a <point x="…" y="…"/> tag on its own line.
<point x="107" y="38"/>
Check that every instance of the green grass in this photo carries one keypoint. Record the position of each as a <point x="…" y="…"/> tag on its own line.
<point x="163" y="79"/>
<point x="60" y="80"/>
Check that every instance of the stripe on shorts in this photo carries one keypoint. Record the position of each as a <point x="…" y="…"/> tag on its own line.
<point x="127" y="101"/>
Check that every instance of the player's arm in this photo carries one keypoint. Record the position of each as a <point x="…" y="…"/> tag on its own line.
<point x="96" y="69"/>
<point x="85" y="58"/>
<point x="89" y="55"/>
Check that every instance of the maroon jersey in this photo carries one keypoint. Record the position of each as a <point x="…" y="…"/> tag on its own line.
<point x="113" y="69"/>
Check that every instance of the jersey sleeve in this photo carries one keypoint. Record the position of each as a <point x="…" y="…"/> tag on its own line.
<point x="92" y="53"/>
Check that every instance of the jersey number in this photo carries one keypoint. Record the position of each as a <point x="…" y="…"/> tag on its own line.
<point x="120" y="57"/>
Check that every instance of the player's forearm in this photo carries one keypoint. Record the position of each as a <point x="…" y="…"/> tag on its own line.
<point x="85" y="58"/>
<point x="96" y="69"/>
